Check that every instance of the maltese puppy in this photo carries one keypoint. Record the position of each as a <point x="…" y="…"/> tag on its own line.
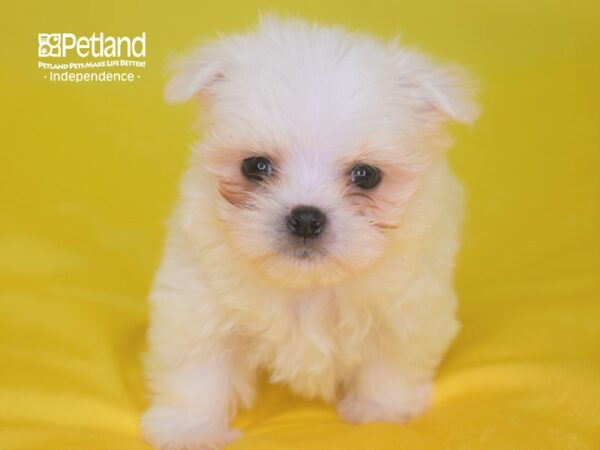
<point x="315" y="235"/>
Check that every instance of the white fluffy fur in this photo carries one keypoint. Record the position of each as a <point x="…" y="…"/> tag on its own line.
<point x="364" y="320"/>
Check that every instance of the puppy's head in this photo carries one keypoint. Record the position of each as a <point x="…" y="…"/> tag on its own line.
<point x="316" y="139"/>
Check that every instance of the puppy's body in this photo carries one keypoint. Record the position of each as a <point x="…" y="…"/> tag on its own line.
<point x="359" y="314"/>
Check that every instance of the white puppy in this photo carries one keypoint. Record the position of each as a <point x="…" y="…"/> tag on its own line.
<point x="315" y="235"/>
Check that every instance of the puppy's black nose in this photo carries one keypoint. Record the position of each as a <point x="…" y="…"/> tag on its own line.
<point x="306" y="221"/>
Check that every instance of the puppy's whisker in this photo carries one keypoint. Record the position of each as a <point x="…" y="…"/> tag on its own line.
<point x="229" y="183"/>
<point x="386" y="225"/>
<point x="361" y="209"/>
<point x="361" y="195"/>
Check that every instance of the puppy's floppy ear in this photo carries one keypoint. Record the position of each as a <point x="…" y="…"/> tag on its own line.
<point x="195" y="74"/>
<point x="443" y="93"/>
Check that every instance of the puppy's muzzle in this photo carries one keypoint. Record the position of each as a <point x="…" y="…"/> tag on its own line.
<point x="306" y="221"/>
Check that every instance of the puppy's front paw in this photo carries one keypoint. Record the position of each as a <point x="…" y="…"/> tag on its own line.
<point x="400" y="405"/>
<point x="176" y="428"/>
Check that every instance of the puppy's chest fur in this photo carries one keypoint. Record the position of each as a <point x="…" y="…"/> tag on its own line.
<point x="308" y="341"/>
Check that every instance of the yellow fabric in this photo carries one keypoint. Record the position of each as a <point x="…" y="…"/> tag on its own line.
<point x="88" y="173"/>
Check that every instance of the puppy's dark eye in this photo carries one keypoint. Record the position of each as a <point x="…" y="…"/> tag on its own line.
<point x="257" y="168"/>
<point x="365" y="176"/>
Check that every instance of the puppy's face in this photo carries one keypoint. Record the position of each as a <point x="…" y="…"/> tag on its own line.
<point x="317" y="141"/>
<point x="310" y="212"/>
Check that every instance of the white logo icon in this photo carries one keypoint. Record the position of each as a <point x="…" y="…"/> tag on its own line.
<point x="49" y="45"/>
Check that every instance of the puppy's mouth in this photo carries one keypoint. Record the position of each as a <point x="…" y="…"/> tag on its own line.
<point x="303" y="250"/>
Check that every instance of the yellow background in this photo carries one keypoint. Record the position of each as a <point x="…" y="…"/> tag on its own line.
<point x="88" y="173"/>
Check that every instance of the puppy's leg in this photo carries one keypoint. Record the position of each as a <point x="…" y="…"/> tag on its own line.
<point x="395" y="382"/>
<point x="193" y="404"/>
<point x="194" y="366"/>
<point x="383" y="392"/>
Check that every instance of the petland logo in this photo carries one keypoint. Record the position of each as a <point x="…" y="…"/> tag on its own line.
<point x="66" y="57"/>
<point x="61" y="45"/>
